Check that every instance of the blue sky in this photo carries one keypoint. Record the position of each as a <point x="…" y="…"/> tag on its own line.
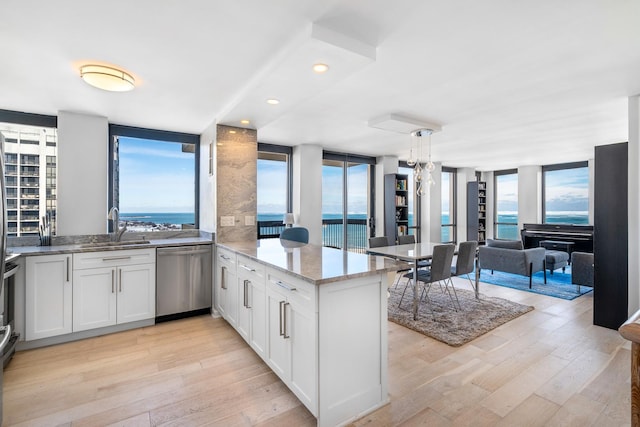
<point x="155" y="176"/>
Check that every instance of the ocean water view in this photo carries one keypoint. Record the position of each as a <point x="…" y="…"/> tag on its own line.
<point x="146" y="221"/>
<point x="508" y="229"/>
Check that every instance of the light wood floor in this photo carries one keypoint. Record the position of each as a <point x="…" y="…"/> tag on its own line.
<point x="550" y="367"/>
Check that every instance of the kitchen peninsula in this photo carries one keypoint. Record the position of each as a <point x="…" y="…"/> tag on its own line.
<point x="316" y="315"/>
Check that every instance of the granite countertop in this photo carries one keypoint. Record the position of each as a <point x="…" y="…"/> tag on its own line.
<point x="313" y="263"/>
<point x="87" y="247"/>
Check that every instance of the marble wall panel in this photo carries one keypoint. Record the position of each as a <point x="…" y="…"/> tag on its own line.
<point x="236" y="183"/>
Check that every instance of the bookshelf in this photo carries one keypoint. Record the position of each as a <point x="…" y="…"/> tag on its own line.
<point x="396" y="208"/>
<point x="477" y="211"/>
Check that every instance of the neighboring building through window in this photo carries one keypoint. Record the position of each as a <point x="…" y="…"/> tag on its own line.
<point x="506" y="204"/>
<point x="273" y="188"/>
<point x="30" y="154"/>
<point x="448" y="216"/>
<point x="565" y="190"/>
<point x="154" y="181"/>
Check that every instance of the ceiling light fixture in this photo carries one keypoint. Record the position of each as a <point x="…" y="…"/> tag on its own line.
<point x="419" y="136"/>
<point x="273" y="101"/>
<point x="244" y="122"/>
<point x="320" y="68"/>
<point x="107" y="78"/>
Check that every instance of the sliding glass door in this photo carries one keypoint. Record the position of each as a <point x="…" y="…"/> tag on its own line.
<point x="347" y="201"/>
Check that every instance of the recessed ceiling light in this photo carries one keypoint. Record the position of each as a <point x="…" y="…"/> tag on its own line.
<point x="245" y="121"/>
<point x="273" y="101"/>
<point x="320" y="68"/>
<point x="232" y="131"/>
<point x="107" y="78"/>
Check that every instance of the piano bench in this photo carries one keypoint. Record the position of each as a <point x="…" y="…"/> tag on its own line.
<point x="556" y="259"/>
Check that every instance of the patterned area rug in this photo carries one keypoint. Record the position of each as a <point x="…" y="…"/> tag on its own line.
<point x="477" y="317"/>
<point x="558" y="284"/>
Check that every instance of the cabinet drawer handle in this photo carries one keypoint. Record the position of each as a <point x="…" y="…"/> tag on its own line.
<point x="284" y="315"/>
<point x="247" y="267"/>
<point x="113" y="287"/>
<point x="224" y="257"/>
<point x="281" y="322"/>
<point x="223" y="278"/>
<point x="244" y="293"/>
<point x="120" y="278"/>
<point x="115" y="258"/>
<point x="68" y="268"/>
<point x="285" y="285"/>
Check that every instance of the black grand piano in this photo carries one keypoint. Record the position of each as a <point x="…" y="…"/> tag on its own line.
<point x="580" y="235"/>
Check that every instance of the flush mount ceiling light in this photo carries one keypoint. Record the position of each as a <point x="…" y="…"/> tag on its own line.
<point x="320" y="68"/>
<point x="273" y="101"/>
<point x="107" y="78"/>
<point x="244" y="122"/>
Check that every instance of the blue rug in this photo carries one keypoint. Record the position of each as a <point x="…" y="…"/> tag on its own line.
<point x="558" y="285"/>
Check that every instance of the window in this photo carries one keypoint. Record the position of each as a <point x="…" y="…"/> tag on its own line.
<point x="448" y="217"/>
<point x="565" y="190"/>
<point x="347" y="200"/>
<point x="153" y="178"/>
<point x="273" y="189"/>
<point x="414" y="216"/>
<point x="31" y="144"/>
<point x="506" y="208"/>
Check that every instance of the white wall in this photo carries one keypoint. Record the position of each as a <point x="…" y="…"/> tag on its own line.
<point x="384" y="165"/>
<point x="307" y="189"/>
<point x="83" y="159"/>
<point x="634" y="204"/>
<point x="529" y="195"/>
<point x="208" y="182"/>
<point x="431" y="223"/>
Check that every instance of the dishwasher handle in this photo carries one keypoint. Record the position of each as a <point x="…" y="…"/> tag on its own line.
<point x="173" y="252"/>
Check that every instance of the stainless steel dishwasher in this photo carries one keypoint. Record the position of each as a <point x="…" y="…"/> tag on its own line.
<point x="183" y="281"/>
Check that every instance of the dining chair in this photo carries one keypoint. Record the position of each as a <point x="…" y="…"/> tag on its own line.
<point x="464" y="266"/>
<point x="440" y="271"/>
<point x="296" y="234"/>
<point x="376" y="242"/>
<point x="410" y="239"/>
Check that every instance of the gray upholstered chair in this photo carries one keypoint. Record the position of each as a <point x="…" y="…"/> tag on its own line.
<point x="465" y="260"/>
<point x="296" y="234"/>
<point x="407" y="239"/>
<point x="376" y="242"/>
<point x="440" y="271"/>
<point x="582" y="269"/>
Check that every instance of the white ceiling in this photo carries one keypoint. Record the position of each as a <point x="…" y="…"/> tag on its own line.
<point x="511" y="83"/>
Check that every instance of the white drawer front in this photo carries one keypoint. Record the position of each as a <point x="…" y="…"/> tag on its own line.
<point x="226" y="257"/>
<point x="303" y="293"/>
<point x="85" y="260"/>
<point x="251" y="269"/>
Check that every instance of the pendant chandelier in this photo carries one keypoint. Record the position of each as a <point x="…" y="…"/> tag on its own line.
<point x="421" y="174"/>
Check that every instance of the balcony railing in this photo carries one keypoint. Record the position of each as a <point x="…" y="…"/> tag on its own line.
<point x="332" y="232"/>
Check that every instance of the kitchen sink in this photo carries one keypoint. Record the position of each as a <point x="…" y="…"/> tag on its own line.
<point x="112" y="244"/>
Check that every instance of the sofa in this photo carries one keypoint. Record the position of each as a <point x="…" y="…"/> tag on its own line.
<point x="509" y="256"/>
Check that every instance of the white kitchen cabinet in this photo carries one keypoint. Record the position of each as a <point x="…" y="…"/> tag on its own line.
<point x="48" y="293"/>
<point x="292" y="326"/>
<point x="252" y="304"/>
<point x="226" y="286"/>
<point x="113" y="287"/>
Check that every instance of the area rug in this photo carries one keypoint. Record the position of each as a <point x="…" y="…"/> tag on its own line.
<point x="477" y="316"/>
<point x="558" y="284"/>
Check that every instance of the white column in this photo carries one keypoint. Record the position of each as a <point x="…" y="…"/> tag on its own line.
<point x="384" y="165"/>
<point x="529" y="195"/>
<point x="208" y="201"/>
<point x="83" y="159"/>
<point x="307" y="190"/>
<point x="634" y="203"/>
<point x="431" y="224"/>
<point x="592" y="186"/>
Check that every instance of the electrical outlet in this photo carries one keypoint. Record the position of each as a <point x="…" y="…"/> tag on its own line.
<point x="249" y="220"/>
<point x="227" y="221"/>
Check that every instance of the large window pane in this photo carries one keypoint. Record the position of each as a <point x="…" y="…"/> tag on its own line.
<point x="566" y="196"/>
<point x="357" y="205"/>
<point x="506" y="190"/>
<point x="448" y="202"/>
<point x="332" y="203"/>
<point x="30" y="177"/>
<point x="272" y="196"/>
<point x="154" y="187"/>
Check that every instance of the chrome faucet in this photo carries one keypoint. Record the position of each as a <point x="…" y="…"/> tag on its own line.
<point x="114" y="217"/>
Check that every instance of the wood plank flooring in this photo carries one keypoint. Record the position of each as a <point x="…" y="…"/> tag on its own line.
<point x="550" y="367"/>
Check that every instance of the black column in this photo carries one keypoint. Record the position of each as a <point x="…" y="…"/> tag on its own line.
<point x="610" y="240"/>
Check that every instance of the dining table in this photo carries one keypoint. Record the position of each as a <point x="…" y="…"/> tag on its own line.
<point x="412" y="253"/>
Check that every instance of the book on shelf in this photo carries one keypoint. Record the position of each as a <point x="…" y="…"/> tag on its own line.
<point x="401" y="200"/>
<point x="401" y="185"/>
<point x="402" y="230"/>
